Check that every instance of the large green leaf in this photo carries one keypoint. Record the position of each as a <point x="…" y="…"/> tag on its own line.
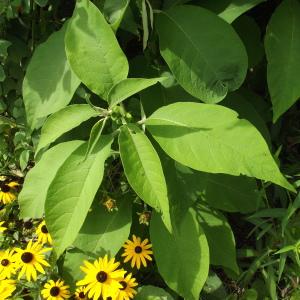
<point x="128" y="87"/>
<point x="72" y="191"/>
<point x="37" y="181"/>
<point x="4" y="45"/>
<point x="63" y="121"/>
<point x="185" y="188"/>
<point x="70" y="269"/>
<point x="94" y="55"/>
<point x="48" y="87"/>
<point x="143" y="170"/>
<point x="2" y="74"/>
<point x="221" y="191"/>
<point x="248" y="110"/>
<point x="219" y="236"/>
<point x="253" y="41"/>
<point x="214" y="288"/>
<point x="282" y="45"/>
<point x="206" y="66"/>
<point x="149" y="292"/>
<point x="229" y="10"/>
<point x="114" y="12"/>
<point x="211" y="138"/>
<point x="182" y="257"/>
<point x="110" y="233"/>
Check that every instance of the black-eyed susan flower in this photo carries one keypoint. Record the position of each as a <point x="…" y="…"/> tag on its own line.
<point x="144" y="217"/>
<point x="8" y="264"/>
<point x="80" y="294"/>
<point x="31" y="260"/>
<point x="127" y="291"/>
<point x="43" y="235"/>
<point x="8" y="192"/>
<point x="110" y="204"/>
<point x="137" y="251"/>
<point x="2" y="228"/>
<point x="102" y="278"/>
<point x="55" y="290"/>
<point x="7" y="287"/>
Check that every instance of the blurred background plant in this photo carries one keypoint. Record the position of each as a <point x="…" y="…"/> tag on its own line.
<point x="267" y="240"/>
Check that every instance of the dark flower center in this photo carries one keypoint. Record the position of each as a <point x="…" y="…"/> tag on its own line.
<point x="4" y="262"/>
<point x="138" y="249"/>
<point x="28" y="224"/>
<point x="124" y="285"/>
<point x="101" y="276"/>
<point x="27" y="257"/>
<point x="5" y="188"/>
<point x="44" y="229"/>
<point x="81" y="295"/>
<point x="54" y="291"/>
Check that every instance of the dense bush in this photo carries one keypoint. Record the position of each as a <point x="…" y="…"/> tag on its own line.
<point x="149" y="149"/>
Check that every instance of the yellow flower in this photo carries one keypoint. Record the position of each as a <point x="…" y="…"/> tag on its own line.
<point x="31" y="260"/>
<point x="127" y="292"/>
<point x="137" y="252"/>
<point x="2" y="228"/>
<point x="55" y="290"/>
<point x="8" y="264"/>
<point x="102" y="278"/>
<point x="7" y="192"/>
<point x="80" y="294"/>
<point x="7" y="287"/>
<point x="43" y="234"/>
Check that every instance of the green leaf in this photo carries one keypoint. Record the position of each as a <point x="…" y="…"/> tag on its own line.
<point x="252" y="42"/>
<point x="48" y="87"/>
<point x="128" y="87"/>
<point x="94" y="55"/>
<point x="181" y="256"/>
<point x="64" y="120"/>
<point x="71" y="266"/>
<point x="169" y="3"/>
<point x="2" y="74"/>
<point x="7" y="121"/>
<point x="183" y="191"/>
<point x="110" y="234"/>
<point x="229" y="10"/>
<point x="282" y="45"/>
<point x="41" y="3"/>
<point x="250" y="295"/>
<point x="149" y="292"/>
<point x="295" y="295"/>
<point x="221" y="191"/>
<point x="219" y="236"/>
<point x="271" y="282"/>
<point x="33" y="194"/>
<point x="286" y="249"/>
<point x="3" y="47"/>
<point x="269" y="213"/>
<point x="289" y="212"/>
<point x="211" y="138"/>
<point x="95" y="135"/>
<point x="247" y="110"/>
<point x="213" y="288"/>
<point x="114" y="12"/>
<point x="143" y="170"/>
<point x="24" y="158"/>
<point x="72" y="191"/>
<point x="194" y="55"/>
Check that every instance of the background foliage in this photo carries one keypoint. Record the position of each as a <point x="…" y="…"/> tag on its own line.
<point x="185" y="111"/>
